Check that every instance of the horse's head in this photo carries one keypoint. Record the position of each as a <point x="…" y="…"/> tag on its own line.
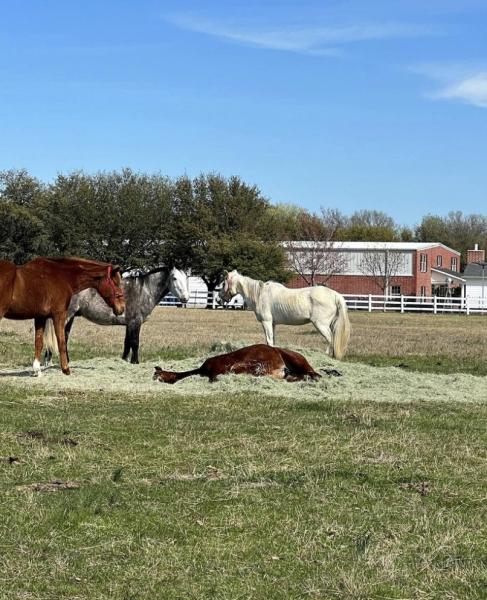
<point x="229" y="289"/>
<point x="109" y="288"/>
<point x="178" y="285"/>
<point x="164" y="376"/>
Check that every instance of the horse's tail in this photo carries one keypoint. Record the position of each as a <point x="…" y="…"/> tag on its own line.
<point x="340" y="328"/>
<point x="50" y="340"/>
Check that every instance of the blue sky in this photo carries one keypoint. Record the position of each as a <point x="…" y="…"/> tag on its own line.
<point x="376" y="104"/>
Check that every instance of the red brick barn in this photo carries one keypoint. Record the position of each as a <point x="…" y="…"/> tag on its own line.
<point x="408" y="268"/>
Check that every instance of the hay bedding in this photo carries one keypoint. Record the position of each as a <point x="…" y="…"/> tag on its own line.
<point x="359" y="382"/>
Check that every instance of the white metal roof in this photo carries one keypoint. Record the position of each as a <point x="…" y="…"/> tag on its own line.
<point x="371" y="245"/>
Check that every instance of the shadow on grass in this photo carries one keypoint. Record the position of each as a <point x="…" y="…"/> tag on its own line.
<point x="29" y="372"/>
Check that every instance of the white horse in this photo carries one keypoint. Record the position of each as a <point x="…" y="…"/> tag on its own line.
<point x="274" y="304"/>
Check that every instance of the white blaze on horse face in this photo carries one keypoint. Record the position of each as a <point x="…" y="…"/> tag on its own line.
<point x="230" y="289"/>
<point x="227" y="294"/>
<point x="179" y="285"/>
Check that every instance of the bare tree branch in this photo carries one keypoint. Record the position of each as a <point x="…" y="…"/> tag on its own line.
<point x="382" y="266"/>
<point x="317" y="252"/>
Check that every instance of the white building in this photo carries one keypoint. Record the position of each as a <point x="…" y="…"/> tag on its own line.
<point x="475" y="276"/>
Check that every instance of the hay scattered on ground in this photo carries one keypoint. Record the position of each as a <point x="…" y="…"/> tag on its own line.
<point x="359" y="382"/>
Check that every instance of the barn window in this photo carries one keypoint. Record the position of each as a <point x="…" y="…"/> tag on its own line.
<point x="454" y="263"/>
<point x="423" y="263"/>
<point x="439" y="260"/>
<point x="396" y="290"/>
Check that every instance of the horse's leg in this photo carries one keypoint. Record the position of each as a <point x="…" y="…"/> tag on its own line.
<point x="47" y="358"/>
<point x="59" y="321"/>
<point x="39" y="324"/>
<point x="126" y="344"/>
<point x="326" y="333"/>
<point x="134" y="341"/>
<point x="67" y="333"/>
<point x="268" y="327"/>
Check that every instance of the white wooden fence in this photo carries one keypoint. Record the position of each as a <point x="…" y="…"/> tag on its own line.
<point x="366" y="302"/>
<point x="424" y="304"/>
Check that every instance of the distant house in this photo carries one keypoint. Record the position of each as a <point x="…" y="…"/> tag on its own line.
<point x="475" y="276"/>
<point x="420" y="269"/>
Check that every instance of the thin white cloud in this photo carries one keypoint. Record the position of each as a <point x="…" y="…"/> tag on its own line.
<point x="472" y="90"/>
<point x="461" y="82"/>
<point x="305" y="40"/>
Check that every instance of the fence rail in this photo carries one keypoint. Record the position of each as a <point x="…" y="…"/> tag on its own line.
<point x="364" y="302"/>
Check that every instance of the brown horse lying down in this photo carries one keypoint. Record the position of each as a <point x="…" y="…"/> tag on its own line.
<point x="257" y="360"/>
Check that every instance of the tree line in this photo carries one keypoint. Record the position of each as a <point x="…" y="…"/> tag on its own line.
<point x="208" y="223"/>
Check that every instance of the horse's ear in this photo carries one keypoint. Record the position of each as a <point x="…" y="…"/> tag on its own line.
<point x="261" y="283"/>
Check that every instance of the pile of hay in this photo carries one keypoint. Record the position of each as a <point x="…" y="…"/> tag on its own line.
<point x="359" y="382"/>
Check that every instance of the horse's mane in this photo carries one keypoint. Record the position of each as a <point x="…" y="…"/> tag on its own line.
<point x="275" y="283"/>
<point x="260" y="282"/>
<point x="135" y="274"/>
<point x="93" y="268"/>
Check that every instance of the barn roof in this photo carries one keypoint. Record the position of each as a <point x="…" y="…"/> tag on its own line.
<point x="367" y="246"/>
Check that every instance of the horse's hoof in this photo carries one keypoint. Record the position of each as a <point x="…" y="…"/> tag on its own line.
<point x="37" y="368"/>
<point x="67" y="371"/>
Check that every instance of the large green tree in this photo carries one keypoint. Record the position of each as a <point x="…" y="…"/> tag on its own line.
<point x="221" y="223"/>
<point x="456" y="230"/>
<point x="122" y="217"/>
<point x="369" y="226"/>
<point x="22" y="234"/>
<point x="20" y="188"/>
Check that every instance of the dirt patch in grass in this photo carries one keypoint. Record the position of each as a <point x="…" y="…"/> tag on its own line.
<point x="53" y="486"/>
<point x="38" y="435"/>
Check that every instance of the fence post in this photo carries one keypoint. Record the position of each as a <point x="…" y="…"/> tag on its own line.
<point x="402" y="303"/>
<point x="435" y="308"/>
<point x="213" y="300"/>
<point x="467" y="306"/>
<point x="370" y="302"/>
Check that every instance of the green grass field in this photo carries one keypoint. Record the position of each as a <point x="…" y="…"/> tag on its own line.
<point x="367" y="486"/>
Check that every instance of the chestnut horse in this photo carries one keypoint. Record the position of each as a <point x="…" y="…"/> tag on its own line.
<point x="256" y="360"/>
<point x="42" y="289"/>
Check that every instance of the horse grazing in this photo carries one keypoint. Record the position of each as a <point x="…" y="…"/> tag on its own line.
<point x="274" y="304"/>
<point x="42" y="289"/>
<point x="142" y="293"/>
<point x="256" y="360"/>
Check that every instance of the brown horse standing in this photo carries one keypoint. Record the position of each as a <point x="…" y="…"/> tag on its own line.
<point x="42" y="289"/>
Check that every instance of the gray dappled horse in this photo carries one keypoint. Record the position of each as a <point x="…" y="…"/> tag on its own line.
<point x="142" y="293"/>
